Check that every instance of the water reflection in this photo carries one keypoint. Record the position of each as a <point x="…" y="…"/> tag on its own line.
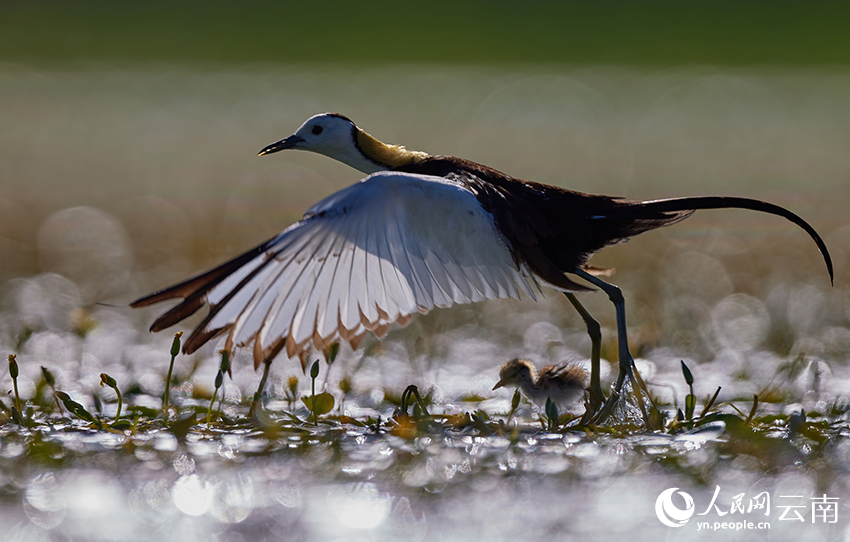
<point x="151" y="502"/>
<point x="44" y="502"/>
<point x="542" y="483"/>
<point x="359" y="505"/>
<point x="233" y="500"/>
<point x="192" y="494"/>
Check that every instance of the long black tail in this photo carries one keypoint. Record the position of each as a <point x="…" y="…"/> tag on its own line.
<point x="728" y="202"/>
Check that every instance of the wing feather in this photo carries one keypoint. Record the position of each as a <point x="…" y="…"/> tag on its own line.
<point x="421" y="300"/>
<point x="256" y="313"/>
<point x="370" y="255"/>
<point x="407" y="296"/>
<point x="326" y="321"/>
<point x="392" y="287"/>
<point x="442" y="283"/>
<point x="315" y="284"/>
<point x="376" y="296"/>
<point x="284" y="313"/>
<point x="357" y="279"/>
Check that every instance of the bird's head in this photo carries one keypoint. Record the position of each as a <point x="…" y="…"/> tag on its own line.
<point x="517" y="373"/>
<point x="337" y="137"/>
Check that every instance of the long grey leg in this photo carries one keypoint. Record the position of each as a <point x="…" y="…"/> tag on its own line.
<point x="597" y="397"/>
<point x="627" y="363"/>
<point x="616" y="297"/>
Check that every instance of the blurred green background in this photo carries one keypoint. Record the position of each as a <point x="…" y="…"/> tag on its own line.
<point x="647" y="33"/>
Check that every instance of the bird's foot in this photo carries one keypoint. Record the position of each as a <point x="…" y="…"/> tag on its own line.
<point x="630" y="385"/>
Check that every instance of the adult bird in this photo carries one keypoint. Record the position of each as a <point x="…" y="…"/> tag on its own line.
<point x="421" y="231"/>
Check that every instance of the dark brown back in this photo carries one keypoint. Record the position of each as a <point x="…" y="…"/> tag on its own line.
<point x="553" y="229"/>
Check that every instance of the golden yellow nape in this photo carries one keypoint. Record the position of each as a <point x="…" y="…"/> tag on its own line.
<point x="392" y="156"/>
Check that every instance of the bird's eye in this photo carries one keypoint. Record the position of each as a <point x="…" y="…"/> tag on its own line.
<point x="317" y="130"/>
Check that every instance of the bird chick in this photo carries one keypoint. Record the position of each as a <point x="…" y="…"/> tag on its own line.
<point x="564" y="384"/>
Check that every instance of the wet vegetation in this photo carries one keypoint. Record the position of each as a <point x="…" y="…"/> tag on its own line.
<point x="49" y="407"/>
<point x="128" y="161"/>
<point x="388" y="453"/>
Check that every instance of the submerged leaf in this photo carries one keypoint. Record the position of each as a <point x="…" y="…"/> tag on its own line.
<point x="121" y="425"/>
<point x="181" y="426"/>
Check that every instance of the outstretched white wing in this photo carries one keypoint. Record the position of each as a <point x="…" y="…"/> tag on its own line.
<point x="370" y="255"/>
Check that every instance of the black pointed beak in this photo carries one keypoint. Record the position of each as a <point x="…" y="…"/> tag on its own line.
<point x="281" y="145"/>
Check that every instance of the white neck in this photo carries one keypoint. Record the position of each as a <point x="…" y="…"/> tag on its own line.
<point x="352" y="157"/>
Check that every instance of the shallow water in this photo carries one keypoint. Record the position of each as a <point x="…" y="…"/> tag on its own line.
<point x="350" y="483"/>
<point x="118" y="182"/>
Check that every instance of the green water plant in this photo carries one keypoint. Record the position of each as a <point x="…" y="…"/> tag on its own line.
<point x="106" y="380"/>
<point x="13" y="372"/>
<point x="514" y="405"/>
<point x="419" y="407"/>
<point x="175" y="350"/>
<point x="690" y="399"/>
<point x="552" y="416"/>
<point x="710" y="403"/>
<point x="77" y="409"/>
<point x="291" y="392"/>
<point x="317" y="404"/>
<point x="753" y="410"/>
<point x="50" y="381"/>
<point x="224" y="367"/>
